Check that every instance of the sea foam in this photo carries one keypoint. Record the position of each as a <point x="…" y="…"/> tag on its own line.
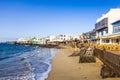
<point x="31" y="65"/>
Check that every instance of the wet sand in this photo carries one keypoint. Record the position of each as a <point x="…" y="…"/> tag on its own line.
<point x="69" y="68"/>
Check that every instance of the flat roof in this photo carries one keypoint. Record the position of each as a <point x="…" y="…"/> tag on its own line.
<point x="115" y="22"/>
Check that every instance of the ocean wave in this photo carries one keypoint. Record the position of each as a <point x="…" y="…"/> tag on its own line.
<point x="31" y="65"/>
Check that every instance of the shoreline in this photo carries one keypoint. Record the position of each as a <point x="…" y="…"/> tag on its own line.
<point x="69" y="68"/>
<point x="39" y="45"/>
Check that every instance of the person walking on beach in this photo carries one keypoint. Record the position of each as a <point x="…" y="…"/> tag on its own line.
<point x="73" y="44"/>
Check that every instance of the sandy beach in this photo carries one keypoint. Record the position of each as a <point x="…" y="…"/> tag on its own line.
<point x="68" y="68"/>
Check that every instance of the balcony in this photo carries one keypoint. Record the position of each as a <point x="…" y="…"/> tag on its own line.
<point x="101" y="24"/>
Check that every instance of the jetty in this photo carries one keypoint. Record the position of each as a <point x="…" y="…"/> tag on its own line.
<point x="40" y="45"/>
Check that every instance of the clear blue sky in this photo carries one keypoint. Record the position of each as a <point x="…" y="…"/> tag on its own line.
<point x="21" y="18"/>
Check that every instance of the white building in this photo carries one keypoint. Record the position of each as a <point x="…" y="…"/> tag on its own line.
<point x="73" y="37"/>
<point x="50" y="38"/>
<point x="39" y="40"/>
<point x="62" y="37"/>
<point x="104" y="25"/>
<point x="24" y="40"/>
<point x="33" y="40"/>
<point x="59" y="38"/>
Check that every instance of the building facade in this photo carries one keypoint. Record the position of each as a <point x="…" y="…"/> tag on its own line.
<point x="62" y="37"/>
<point x="116" y="27"/>
<point x="116" y="32"/>
<point x="104" y="26"/>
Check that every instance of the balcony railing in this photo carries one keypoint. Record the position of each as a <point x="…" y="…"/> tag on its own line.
<point x="101" y="24"/>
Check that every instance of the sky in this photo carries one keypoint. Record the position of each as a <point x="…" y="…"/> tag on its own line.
<point x="24" y="18"/>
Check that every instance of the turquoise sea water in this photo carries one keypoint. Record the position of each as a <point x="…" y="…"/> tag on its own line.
<point x="20" y="62"/>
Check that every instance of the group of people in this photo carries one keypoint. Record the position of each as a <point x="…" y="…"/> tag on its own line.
<point x="75" y="43"/>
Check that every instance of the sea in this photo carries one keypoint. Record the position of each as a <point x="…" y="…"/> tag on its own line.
<point x="23" y="62"/>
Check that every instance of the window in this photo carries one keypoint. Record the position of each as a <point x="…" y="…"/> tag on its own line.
<point x="102" y="23"/>
<point x="61" y="35"/>
<point x="107" y="41"/>
<point x="117" y="40"/>
<point x="102" y="33"/>
<point x="116" y="29"/>
<point x="106" y="31"/>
